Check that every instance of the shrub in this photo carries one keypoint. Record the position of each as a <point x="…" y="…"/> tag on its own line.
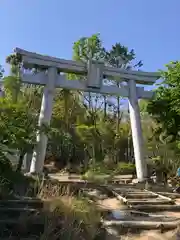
<point x="101" y="172"/>
<point x="125" y="168"/>
<point x="100" y="168"/>
<point x="13" y="182"/>
<point x="69" y="217"/>
<point x="98" y="178"/>
<point x="64" y="216"/>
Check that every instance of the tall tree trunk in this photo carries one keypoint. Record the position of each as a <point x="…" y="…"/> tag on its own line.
<point x="118" y="110"/>
<point x="105" y="107"/>
<point x="66" y="106"/>
<point x="89" y="101"/>
<point x="20" y="162"/>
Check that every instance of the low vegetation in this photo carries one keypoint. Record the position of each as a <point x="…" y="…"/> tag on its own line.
<point x="80" y="218"/>
<point x="65" y="214"/>
<point x="103" y="172"/>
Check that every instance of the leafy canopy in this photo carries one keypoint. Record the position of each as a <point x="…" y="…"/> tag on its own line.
<point x="165" y="108"/>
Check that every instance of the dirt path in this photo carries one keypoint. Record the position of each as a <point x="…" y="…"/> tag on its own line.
<point x="110" y="204"/>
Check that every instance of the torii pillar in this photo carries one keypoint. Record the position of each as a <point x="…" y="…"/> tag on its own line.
<point x="137" y="136"/>
<point x="39" y="153"/>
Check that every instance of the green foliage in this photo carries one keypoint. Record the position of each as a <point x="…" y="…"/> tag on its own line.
<point x="17" y="126"/>
<point x="88" y="48"/>
<point x="61" y="142"/>
<point x="165" y="107"/>
<point x="14" y="60"/>
<point x="99" y="169"/>
<point x="101" y="172"/>
<point x="9" y="177"/>
<point x="120" y="56"/>
<point x="125" y="168"/>
<point x="143" y="105"/>
<point x="12" y="86"/>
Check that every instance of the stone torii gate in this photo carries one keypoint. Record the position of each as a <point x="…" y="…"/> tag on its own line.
<point x="95" y="73"/>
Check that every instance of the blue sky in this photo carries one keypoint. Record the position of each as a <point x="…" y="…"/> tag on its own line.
<point x="51" y="27"/>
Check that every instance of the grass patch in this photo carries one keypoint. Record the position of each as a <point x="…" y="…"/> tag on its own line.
<point x="65" y="215"/>
<point x="102" y="173"/>
<point x="97" y="178"/>
<point x="79" y="218"/>
<point x="68" y="214"/>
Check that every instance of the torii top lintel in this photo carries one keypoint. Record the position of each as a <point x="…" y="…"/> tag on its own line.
<point x="30" y="59"/>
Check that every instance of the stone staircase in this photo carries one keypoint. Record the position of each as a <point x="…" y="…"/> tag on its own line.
<point x="139" y="213"/>
<point x="19" y="219"/>
<point x="143" y="199"/>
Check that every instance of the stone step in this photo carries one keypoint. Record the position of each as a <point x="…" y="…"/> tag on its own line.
<point x="120" y="181"/>
<point x="139" y="196"/>
<point x="156" y="208"/>
<point x="17" y="203"/>
<point x="140" y="225"/>
<point x="20" y="238"/>
<point x="10" y="212"/>
<point x="139" y="193"/>
<point x="120" y="216"/>
<point x="169" y="194"/>
<point x="134" y="192"/>
<point x="124" y="192"/>
<point x="155" y="201"/>
<point x="13" y="227"/>
<point x="13" y="230"/>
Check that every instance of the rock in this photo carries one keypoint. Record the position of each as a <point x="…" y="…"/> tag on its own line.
<point x="177" y="190"/>
<point x="135" y="181"/>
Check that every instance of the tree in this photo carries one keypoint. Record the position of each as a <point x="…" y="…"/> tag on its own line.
<point x="1" y="76"/>
<point x="12" y="83"/>
<point x="18" y="128"/>
<point x="85" y="49"/>
<point x="165" y="115"/>
<point x="1" y="71"/>
<point x="165" y="108"/>
<point x="120" y="57"/>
